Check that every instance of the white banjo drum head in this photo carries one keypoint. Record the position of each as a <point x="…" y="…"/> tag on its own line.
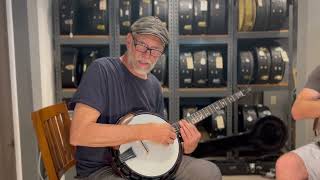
<point x="159" y="159"/>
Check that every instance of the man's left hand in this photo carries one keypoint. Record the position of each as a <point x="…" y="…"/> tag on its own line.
<point x="190" y="135"/>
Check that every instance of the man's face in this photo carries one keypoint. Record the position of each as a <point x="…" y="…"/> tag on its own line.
<point x="143" y="52"/>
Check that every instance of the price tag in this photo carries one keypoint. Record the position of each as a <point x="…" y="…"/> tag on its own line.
<point x="204" y="5"/>
<point x="190" y="63"/>
<point x="262" y="53"/>
<point x="103" y="4"/>
<point x="220" y="122"/>
<point x="284" y="56"/>
<point x="203" y="61"/>
<point x="219" y="62"/>
<point x="217" y="6"/>
<point x="190" y="6"/>
<point x="260" y="4"/>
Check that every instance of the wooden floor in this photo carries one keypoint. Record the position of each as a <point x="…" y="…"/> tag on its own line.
<point x="244" y="178"/>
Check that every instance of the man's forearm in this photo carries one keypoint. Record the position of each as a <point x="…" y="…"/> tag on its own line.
<point x="303" y="109"/>
<point x="106" y="135"/>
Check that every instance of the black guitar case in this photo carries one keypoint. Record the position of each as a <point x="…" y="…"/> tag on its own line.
<point x="262" y="64"/>
<point x="185" y="16"/>
<point x="69" y="13"/>
<point x="125" y="16"/>
<point x="218" y="17"/>
<point x="94" y="17"/>
<point x="215" y="69"/>
<point x="200" y="72"/>
<point x="186" y="69"/>
<point x="69" y="57"/>
<point x="245" y="67"/>
<point x="160" y="69"/>
<point x="161" y="10"/>
<point x="200" y="16"/>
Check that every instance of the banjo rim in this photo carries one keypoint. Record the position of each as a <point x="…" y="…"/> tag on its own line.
<point x="123" y="165"/>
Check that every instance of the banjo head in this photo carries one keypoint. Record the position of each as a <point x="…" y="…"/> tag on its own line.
<point x="152" y="159"/>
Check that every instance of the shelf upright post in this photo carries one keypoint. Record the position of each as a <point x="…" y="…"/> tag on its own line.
<point x="173" y="60"/>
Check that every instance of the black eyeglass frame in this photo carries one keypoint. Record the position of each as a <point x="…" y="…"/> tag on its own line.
<point x="136" y="42"/>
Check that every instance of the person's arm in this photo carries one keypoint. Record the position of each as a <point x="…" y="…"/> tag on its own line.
<point x="307" y="105"/>
<point x="86" y="132"/>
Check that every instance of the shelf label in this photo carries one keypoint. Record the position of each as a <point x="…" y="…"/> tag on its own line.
<point x="284" y="56"/>
<point x="220" y="122"/>
<point x="189" y="63"/>
<point x="204" y="5"/>
<point x="103" y="4"/>
<point x="262" y="53"/>
<point x="217" y="6"/>
<point x="219" y="62"/>
<point x="203" y="61"/>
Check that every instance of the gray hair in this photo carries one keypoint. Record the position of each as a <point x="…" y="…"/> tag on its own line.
<point x="151" y="25"/>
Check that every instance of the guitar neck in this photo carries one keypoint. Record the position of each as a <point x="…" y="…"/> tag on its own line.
<point x="213" y="108"/>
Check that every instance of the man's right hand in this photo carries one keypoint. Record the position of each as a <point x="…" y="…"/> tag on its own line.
<point x="162" y="133"/>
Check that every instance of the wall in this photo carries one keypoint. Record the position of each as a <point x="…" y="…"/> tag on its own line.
<point x="308" y="56"/>
<point x="31" y="74"/>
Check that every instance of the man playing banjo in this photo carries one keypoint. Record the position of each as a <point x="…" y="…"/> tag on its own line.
<point x="113" y="87"/>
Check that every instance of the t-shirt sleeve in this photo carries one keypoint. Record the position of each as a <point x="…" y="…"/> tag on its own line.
<point x="314" y="80"/>
<point x="92" y="90"/>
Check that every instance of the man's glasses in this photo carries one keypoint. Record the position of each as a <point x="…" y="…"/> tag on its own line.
<point x="143" y="48"/>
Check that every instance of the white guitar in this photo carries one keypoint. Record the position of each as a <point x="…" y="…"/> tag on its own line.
<point x="149" y="160"/>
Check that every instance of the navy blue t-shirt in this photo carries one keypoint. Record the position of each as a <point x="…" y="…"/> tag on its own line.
<point x="109" y="87"/>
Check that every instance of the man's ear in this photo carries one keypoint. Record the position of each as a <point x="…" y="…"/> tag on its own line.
<point x="129" y="40"/>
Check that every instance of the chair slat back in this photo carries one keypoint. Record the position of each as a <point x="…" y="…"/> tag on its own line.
<point x="52" y="126"/>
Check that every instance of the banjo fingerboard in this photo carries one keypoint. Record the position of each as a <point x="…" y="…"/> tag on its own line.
<point x="213" y="108"/>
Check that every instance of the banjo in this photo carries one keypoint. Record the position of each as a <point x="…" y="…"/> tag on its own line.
<point x="149" y="160"/>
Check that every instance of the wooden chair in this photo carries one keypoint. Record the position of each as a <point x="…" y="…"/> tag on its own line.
<point x="52" y="126"/>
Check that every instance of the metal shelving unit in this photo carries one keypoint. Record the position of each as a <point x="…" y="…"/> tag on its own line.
<point x="263" y="35"/>
<point x="288" y="35"/>
<point x="85" y="40"/>
<point x="172" y="92"/>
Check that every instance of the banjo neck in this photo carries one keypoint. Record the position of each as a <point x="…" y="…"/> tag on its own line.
<point x="213" y="108"/>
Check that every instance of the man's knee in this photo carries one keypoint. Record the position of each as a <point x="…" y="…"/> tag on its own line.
<point x="290" y="164"/>
<point x="208" y="171"/>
